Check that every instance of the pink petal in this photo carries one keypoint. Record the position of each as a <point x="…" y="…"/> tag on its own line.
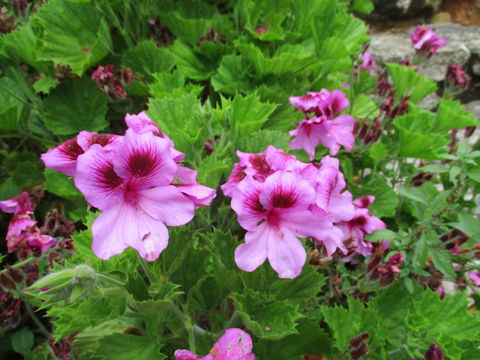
<point x="141" y="123"/>
<point x="186" y="175"/>
<point x="286" y="254"/>
<point x="234" y="344"/>
<point x="307" y="137"/>
<point x="304" y="223"/>
<point x="122" y="226"/>
<point x="42" y="242"/>
<point x="97" y="179"/>
<point x="184" y="355"/>
<point x="19" y="204"/>
<point x="166" y="204"/>
<point x="20" y="223"/>
<point x="364" y="201"/>
<point x="237" y="175"/>
<point x="342" y="130"/>
<point x="199" y="194"/>
<point x="85" y="139"/>
<point x="253" y="252"/>
<point x="246" y="203"/>
<point x="334" y="241"/>
<point x="474" y="277"/>
<point x="145" y="160"/>
<point x="63" y="158"/>
<point x="340" y="207"/>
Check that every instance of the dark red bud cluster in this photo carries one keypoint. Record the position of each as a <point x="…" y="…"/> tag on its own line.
<point x="25" y="275"/>
<point x="212" y="36"/>
<point x="7" y="21"/>
<point x="63" y="348"/>
<point x="359" y="346"/>
<point x="56" y="225"/>
<point x="434" y="352"/>
<point x="383" y="87"/>
<point x="456" y="76"/>
<point x="392" y="109"/>
<point x="112" y="81"/>
<point x="408" y="63"/>
<point x="421" y="179"/>
<point x="367" y="132"/>
<point x="386" y="273"/>
<point x="469" y="131"/>
<point x="453" y="239"/>
<point x="209" y="144"/>
<point x="9" y="310"/>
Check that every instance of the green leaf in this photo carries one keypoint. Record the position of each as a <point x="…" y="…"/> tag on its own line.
<point x="146" y="58"/>
<point x="24" y="168"/>
<point x="364" y="107"/>
<point x="22" y="340"/>
<point x="75" y="106"/>
<point x="442" y="261"/>
<point x="61" y="185"/>
<point x="377" y="152"/>
<point x="345" y="324"/>
<point x="386" y="200"/>
<point x="260" y="140"/>
<point x="45" y="84"/>
<point x="303" y="288"/>
<point x="12" y="100"/>
<point x="75" y="34"/>
<point x="413" y="193"/>
<point x="452" y="115"/>
<point x="8" y="189"/>
<point x="231" y="76"/>
<point x="420" y="254"/>
<point x="363" y="6"/>
<point x="469" y="225"/>
<point x="127" y="347"/>
<point x="408" y="82"/>
<point x="260" y="315"/>
<point x="190" y="63"/>
<point x="211" y="170"/>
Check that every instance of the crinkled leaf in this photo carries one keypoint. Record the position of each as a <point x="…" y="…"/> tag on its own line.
<point x="22" y="340"/>
<point x="127" y="347"/>
<point x="231" y="76"/>
<point x="75" y="106"/>
<point x="61" y="185"/>
<point x="260" y="140"/>
<point x="451" y="115"/>
<point x="12" y="100"/>
<point x="408" y="82"/>
<point x="146" y="58"/>
<point x="75" y="34"/>
<point x="442" y="261"/>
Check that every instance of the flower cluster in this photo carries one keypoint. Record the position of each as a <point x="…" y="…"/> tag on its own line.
<point x="138" y="182"/>
<point x="426" y="41"/>
<point x="111" y="81"/>
<point x="278" y="199"/>
<point x="456" y="76"/>
<point x="323" y="126"/>
<point x="234" y="344"/>
<point x="23" y="233"/>
<point x="365" y="63"/>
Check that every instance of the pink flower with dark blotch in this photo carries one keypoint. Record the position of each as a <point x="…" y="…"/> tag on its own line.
<point x="362" y="224"/>
<point x="63" y="158"/>
<point x="234" y="344"/>
<point x="275" y="213"/>
<point x="310" y="102"/>
<point x="457" y="76"/>
<point x="330" y="133"/>
<point x="259" y="167"/>
<point x="131" y="182"/>
<point x="426" y="41"/>
<point x="474" y="277"/>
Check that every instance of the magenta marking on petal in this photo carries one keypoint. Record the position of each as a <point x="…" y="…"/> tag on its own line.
<point x="141" y="164"/>
<point x="108" y="177"/>
<point x="252" y="203"/>
<point x="283" y="198"/>
<point x="71" y="149"/>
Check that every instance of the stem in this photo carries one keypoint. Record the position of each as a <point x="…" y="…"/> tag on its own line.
<point x="35" y="319"/>
<point x="20" y="264"/>
<point x="145" y="269"/>
<point x="191" y="336"/>
<point x="231" y="321"/>
<point x="109" y="279"/>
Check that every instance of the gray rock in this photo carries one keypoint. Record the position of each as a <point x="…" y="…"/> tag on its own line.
<point x="394" y="46"/>
<point x="474" y="108"/>
<point x="476" y="67"/>
<point x="430" y="102"/>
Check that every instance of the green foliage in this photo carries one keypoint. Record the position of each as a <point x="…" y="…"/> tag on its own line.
<point x="409" y="83"/>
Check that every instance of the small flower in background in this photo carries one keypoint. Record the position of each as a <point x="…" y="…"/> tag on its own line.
<point x="359" y="346"/>
<point x="426" y="41"/>
<point x="112" y="81"/>
<point x="131" y="178"/>
<point x="457" y="77"/>
<point x="434" y="352"/>
<point x="366" y="63"/>
<point x="408" y="63"/>
<point x="260" y="30"/>
<point x="234" y="344"/>
<point x="323" y="127"/>
<point x="23" y="233"/>
<point x="474" y="277"/>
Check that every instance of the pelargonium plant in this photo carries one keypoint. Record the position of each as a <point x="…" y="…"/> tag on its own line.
<point x="156" y="154"/>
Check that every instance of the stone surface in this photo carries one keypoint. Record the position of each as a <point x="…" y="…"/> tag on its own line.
<point x="474" y="108"/>
<point x="430" y="102"/>
<point x="394" y="46"/>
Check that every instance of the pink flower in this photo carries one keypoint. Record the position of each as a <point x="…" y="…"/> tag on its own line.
<point x="457" y="76"/>
<point x="234" y="344"/>
<point x="261" y="30"/>
<point x="323" y="103"/>
<point x="22" y="227"/>
<point x="331" y="133"/>
<point x="362" y="224"/>
<point x="63" y="158"/>
<point x="131" y="181"/>
<point x="426" y="41"/>
<point x="275" y="213"/>
<point x="366" y="63"/>
<point x="474" y="277"/>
